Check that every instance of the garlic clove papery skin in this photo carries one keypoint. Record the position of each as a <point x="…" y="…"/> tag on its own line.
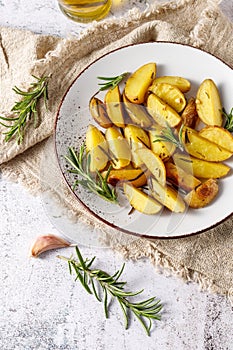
<point x="45" y="243"/>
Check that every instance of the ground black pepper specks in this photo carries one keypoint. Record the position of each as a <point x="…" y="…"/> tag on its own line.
<point x="217" y="331"/>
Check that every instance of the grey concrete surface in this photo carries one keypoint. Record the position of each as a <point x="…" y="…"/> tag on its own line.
<point x="41" y="307"/>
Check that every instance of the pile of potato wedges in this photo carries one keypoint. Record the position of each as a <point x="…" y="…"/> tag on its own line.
<point x="152" y="171"/>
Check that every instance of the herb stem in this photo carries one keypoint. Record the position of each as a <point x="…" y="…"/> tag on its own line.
<point x="97" y="184"/>
<point x="26" y="108"/>
<point x="228" y="120"/>
<point x="145" y="311"/>
<point x="167" y="135"/>
<point x="111" y="82"/>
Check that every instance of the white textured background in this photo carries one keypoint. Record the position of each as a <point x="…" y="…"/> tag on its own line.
<point x="41" y="307"/>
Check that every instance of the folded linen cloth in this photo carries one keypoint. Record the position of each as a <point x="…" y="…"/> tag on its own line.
<point x="206" y="258"/>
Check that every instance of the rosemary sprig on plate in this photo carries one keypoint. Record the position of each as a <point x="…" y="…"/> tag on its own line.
<point x="111" y="82"/>
<point x="228" y="120"/>
<point x="80" y="163"/>
<point x="26" y="108"/>
<point x="95" y="280"/>
<point x="167" y="135"/>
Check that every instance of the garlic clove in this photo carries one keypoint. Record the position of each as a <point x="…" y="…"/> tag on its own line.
<point x="45" y="243"/>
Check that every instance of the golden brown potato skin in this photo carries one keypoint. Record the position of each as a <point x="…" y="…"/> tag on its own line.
<point x="154" y="143"/>
<point x="137" y="114"/>
<point x="202" y="148"/>
<point x="218" y="135"/>
<point x="114" y="107"/>
<point x="201" y="168"/>
<point x="189" y="115"/>
<point x="180" y="178"/>
<point x="98" y="113"/>
<point x="97" y="147"/>
<point x="136" y="177"/>
<point x="161" y="112"/>
<point x="140" y="200"/>
<point x="181" y="83"/>
<point x="202" y="195"/>
<point x="208" y="103"/>
<point x="138" y="83"/>
<point x="169" y="94"/>
<point x="167" y="196"/>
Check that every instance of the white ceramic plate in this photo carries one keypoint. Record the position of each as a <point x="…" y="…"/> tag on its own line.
<point x="73" y="118"/>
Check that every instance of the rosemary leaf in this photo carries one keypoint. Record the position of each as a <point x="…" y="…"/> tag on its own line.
<point x="95" y="291"/>
<point x="80" y="163"/>
<point x="26" y="109"/>
<point x="228" y="120"/>
<point x="118" y="274"/>
<point x="145" y="311"/>
<point x="105" y="301"/>
<point x="124" y="310"/>
<point x="147" y="328"/>
<point x="90" y="262"/>
<point x="167" y="135"/>
<point x="111" y="82"/>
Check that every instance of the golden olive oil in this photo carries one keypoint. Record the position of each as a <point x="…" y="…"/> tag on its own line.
<point x="85" y="10"/>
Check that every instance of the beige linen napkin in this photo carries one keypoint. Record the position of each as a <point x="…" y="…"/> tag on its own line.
<point x="205" y="258"/>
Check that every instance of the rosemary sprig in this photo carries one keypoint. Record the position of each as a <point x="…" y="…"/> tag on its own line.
<point x="26" y="108"/>
<point x="228" y="120"/>
<point x="93" y="280"/>
<point x="111" y="82"/>
<point x="167" y="135"/>
<point x="80" y="163"/>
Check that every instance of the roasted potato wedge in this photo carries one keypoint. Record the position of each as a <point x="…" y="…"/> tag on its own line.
<point x="200" y="168"/>
<point x="97" y="147"/>
<point x="181" y="178"/>
<point x="153" y="163"/>
<point x="137" y="113"/>
<point x="136" y="177"/>
<point x="218" y="135"/>
<point x="169" y="94"/>
<point x="114" y="107"/>
<point x="98" y="112"/>
<point x="137" y="84"/>
<point x="189" y="115"/>
<point x="181" y="83"/>
<point x="161" y="112"/>
<point x="202" y="148"/>
<point x="167" y="196"/>
<point x="137" y="138"/>
<point x="153" y="142"/>
<point x="118" y="147"/>
<point x="202" y="195"/>
<point x="140" y="200"/>
<point x="163" y="149"/>
<point x="208" y="103"/>
<point x="94" y="137"/>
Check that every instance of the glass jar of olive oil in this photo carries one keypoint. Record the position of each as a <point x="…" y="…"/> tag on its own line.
<point x="85" y="10"/>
